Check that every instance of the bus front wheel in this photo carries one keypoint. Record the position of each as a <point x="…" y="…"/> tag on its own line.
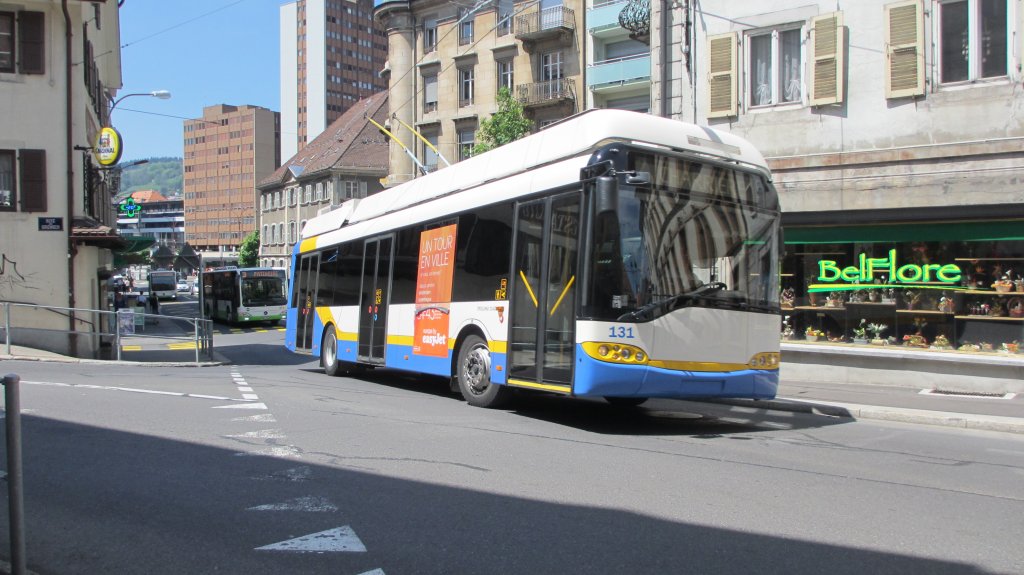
<point x="473" y="372"/>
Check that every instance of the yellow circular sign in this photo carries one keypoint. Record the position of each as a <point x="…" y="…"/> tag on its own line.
<point x="108" y="147"/>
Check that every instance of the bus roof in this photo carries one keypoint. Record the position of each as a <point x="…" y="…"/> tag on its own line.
<point x="572" y="138"/>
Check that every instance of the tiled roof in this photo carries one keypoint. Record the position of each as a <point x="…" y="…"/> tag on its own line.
<point x="143" y="196"/>
<point x="350" y="142"/>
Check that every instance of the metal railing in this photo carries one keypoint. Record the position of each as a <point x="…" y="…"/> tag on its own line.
<point x="543" y="21"/>
<point x="548" y="91"/>
<point x="118" y="329"/>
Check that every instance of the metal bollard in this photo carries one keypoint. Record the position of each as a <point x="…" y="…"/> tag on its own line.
<point x="12" y="399"/>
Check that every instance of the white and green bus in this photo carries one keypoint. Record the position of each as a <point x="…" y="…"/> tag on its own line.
<point x="243" y="295"/>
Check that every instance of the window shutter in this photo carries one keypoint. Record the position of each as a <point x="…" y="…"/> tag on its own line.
<point x="722" y="51"/>
<point x="904" y="49"/>
<point x="31" y="43"/>
<point x="828" y="59"/>
<point x="32" y="181"/>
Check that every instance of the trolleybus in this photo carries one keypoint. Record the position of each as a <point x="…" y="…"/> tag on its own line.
<point x="243" y="295"/>
<point x="613" y="254"/>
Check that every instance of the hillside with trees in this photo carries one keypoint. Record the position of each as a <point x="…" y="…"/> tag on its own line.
<point x="161" y="174"/>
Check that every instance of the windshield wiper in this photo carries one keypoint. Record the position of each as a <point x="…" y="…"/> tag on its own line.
<point x="646" y="313"/>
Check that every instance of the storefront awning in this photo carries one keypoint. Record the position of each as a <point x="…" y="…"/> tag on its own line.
<point x="907" y="232"/>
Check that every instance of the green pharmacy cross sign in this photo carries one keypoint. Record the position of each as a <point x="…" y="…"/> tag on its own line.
<point x="862" y="275"/>
<point x="129" y="208"/>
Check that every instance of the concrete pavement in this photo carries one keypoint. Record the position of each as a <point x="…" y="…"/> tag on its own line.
<point x="876" y="402"/>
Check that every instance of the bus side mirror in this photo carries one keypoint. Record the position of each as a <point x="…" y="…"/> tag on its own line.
<point x="639" y="179"/>
<point x="607" y="194"/>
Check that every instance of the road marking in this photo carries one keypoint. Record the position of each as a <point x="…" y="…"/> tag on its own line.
<point x="244" y="388"/>
<point x="149" y="391"/>
<point x="263" y="417"/>
<point x="275" y="451"/>
<point x="242" y="406"/>
<point x="131" y="348"/>
<point x="307" y="504"/>
<point x="374" y="572"/>
<point x="294" y="474"/>
<point x="340" y="539"/>
<point x="262" y="434"/>
<point x="250" y="396"/>
<point x="189" y="345"/>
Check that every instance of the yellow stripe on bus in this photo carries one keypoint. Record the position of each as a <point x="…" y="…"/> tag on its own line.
<point x="543" y="386"/>
<point x="307" y="245"/>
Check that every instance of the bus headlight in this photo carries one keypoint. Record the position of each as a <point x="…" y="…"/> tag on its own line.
<point x="765" y="360"/>
<point x="616" y="353"/>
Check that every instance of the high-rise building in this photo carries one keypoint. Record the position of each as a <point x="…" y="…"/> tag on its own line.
<point x="331" y="55"/>
<point x="227" y="151"/>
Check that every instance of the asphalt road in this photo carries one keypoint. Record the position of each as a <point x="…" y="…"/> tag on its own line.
<point x="269" y="466"/>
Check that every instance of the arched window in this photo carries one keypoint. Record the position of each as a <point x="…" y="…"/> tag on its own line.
<point x="263" y="238"/>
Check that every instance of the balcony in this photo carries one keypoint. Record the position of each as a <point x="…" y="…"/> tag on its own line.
<point x="604" y="15"/>
<point x="619" y="72"/>
<point x="556" y="23"/>
<point x="546" y="93"/>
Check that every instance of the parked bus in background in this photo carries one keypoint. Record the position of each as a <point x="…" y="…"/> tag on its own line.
<point x="243" y="295"/>
<point x="163" y="284"/>
<point x="613" y="254"/>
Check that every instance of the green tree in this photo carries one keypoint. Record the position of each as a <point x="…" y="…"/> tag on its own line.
<point x="506" y="125"/>
<point x="249" y="251"/>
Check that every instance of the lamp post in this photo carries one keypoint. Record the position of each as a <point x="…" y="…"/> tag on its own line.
<point x="161" y="94"/>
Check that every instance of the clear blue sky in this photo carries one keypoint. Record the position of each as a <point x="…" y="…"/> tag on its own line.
<point x="205" y="52"/>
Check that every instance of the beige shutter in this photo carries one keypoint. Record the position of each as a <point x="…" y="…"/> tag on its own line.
<point x="722" y="75"/>
<point x="904" y="49"/>
<point x="828" y="59"/>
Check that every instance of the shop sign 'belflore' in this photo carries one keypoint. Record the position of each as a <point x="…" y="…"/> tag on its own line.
<point x="108" y="147"/>
<point x="873" y="273"/>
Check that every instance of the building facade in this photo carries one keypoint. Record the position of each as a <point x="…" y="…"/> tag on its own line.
<point x="56" y="217"/>
<point x="154" y="216"/>
<point x="446" y="63"/>
<point x="331" y="53"/>
<point x="345" y="162"/>
<point x="227" y="151"/>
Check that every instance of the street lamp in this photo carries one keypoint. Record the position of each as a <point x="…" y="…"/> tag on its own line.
<point x="161" y="94"/>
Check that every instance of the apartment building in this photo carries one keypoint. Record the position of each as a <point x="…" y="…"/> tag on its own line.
<point x="227" y="151"/>
<point x="331" y="53"/>
<point x="346" y="161"/>
<point x="56" y="216"/>
<point x="152" y="216"/>
<point x="446" y="63"/>
<point x="894" y="130"/>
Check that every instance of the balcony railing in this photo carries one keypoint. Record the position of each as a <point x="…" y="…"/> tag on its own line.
<point x="547" y="23"/>
<point x="620" y="71"/>
<point x="546" y="92"/>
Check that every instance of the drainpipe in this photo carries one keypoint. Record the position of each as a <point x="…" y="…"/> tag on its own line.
<point x="69" y="147"/>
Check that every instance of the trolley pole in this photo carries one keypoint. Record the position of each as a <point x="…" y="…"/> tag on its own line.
<point x="15" y="494"/>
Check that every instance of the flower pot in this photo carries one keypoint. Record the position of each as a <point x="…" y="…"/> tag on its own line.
<point x="860" y="340"/>
<point x="878" y="341"/>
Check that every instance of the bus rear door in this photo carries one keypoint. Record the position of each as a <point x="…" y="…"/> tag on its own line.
<point x="542" y="337"/>
<point x="375" y="292"/>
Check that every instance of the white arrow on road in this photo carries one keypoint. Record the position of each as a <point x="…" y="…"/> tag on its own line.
<point x="339" y="539"/>
<point x="309" y="504"/>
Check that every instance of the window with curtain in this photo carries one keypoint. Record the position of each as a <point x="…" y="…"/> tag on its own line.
<point x="775" y="73"/>
<point x="973" y="40"/>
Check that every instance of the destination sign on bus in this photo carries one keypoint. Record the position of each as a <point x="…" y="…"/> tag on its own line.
<point x="263" y="274"/>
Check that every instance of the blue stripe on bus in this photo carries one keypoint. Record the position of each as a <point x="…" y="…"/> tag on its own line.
<point x="397" y="354"/>
<point x="599" y="378"/>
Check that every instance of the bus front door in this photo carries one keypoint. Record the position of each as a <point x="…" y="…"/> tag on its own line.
<point x="542" y="336"/>
<point x="305" y="300"/>
<point x="373" y="309"/>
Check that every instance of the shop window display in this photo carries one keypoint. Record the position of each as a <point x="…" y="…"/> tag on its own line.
<point x="964" y="296"/>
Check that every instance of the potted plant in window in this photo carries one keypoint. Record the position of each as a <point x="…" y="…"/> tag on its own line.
<point x="876" y="330"/>
<point x="813" y="334"/>
<point x="860" y="333"/>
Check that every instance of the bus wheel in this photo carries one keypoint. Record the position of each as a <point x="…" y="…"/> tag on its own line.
<point x="329" y="354"/>
<point x="473" y="372"/>
<point x="625" y="401"/>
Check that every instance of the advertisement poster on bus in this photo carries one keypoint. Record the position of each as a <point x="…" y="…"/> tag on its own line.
<point x="434" y="291"/>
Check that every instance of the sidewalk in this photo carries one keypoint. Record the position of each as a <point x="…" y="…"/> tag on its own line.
<point x="891" y="403"/>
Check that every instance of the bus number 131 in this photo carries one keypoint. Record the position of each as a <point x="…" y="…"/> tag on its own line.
<point x="620" y="332"/>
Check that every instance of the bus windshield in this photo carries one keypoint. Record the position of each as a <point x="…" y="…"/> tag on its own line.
<point x="700" y="235"/>
<point x="260" y="291"/>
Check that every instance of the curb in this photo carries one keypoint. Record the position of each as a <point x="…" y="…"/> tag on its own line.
<point x="218" y="361"/>
<point x="903" y="415"/>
